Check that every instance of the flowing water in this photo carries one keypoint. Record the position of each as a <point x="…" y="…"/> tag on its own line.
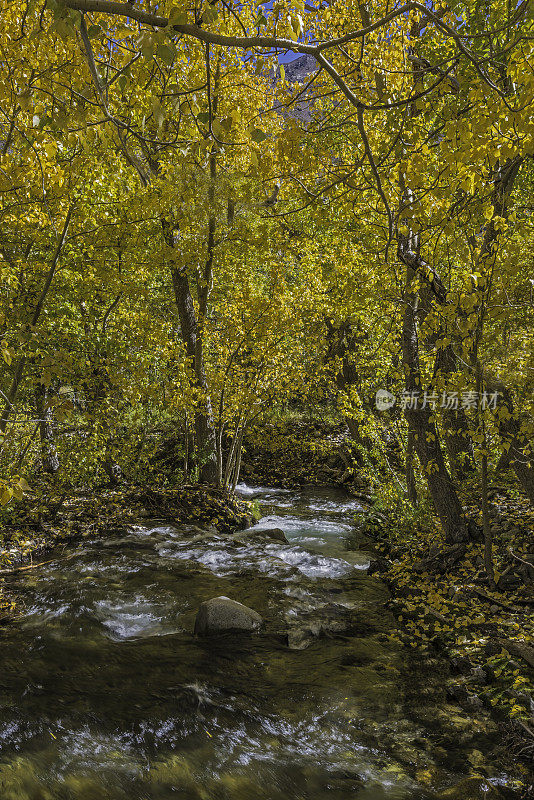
<point x="105" y="693"/>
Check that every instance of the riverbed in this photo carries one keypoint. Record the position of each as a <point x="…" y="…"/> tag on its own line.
<point x="105" y="694"/>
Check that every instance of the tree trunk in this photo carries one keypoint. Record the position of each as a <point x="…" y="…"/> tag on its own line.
<point x="411" y="489"/>
<point x="191" y="326"/>
<point x="342" y="347"/>
<point x="113" y="471"/>
<point x="427" y="446"/>
<point x="503" y="462"/>
<point x="458" y="441"/>
<point x="520" y="457"/>
<point x="237" y="467"/>
<point x="486" y="522"/>
<point x="440" y="485"/>
<point x="49" y="457"/>
<point x="204" y="426"/>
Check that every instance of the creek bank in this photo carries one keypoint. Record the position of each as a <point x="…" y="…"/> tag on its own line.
<point x="485" y="635"/>
<point x="34" y="527"/>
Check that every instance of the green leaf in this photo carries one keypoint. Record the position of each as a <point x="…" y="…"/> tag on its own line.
<point x="258" y="135"/>
<point x="93" y="31"/>
<point x="166" y="53"/>
<point x="178" y="17"/>
<point x="210" y="15"/>
<point x="122" y="32"/>
<point x="159" y="114"/>
<point x="6" y="493"/>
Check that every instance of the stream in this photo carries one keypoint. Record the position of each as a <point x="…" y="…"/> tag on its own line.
<point x="105" y="694"/>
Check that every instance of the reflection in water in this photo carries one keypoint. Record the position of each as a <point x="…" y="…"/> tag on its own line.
<point x="105" y="693"/>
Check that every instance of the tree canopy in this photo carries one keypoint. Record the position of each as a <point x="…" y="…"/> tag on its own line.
<point x="196" y="233"/>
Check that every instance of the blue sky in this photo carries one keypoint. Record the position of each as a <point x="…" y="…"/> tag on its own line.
<point x="287" y="57"/>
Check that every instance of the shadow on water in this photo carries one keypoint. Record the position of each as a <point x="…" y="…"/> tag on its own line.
<point x="105" y="693"/>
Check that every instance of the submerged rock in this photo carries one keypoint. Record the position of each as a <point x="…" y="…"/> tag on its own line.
<point x="328" y="622"/>
<point x="299" y="638"/>
<point x="222" y="614"/>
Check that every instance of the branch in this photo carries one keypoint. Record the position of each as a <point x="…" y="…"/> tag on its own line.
<point x="271" y="42"/>
<point x="53" y="265"/>
<point x="274" y="42"/>
<point x="100" y="94"/>
<point x="370" y="158"/>
<point x="522" y="560"/>
<point x="19" y="371"/>
<point x="14" y="570"/>
<point x="110" y="309"/>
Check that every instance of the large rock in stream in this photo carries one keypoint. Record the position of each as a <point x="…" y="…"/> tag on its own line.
<point x="221" y="614"/>
<point x="264" y="534"/>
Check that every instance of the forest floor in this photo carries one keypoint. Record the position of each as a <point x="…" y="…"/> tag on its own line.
<point x="486" y="634"/>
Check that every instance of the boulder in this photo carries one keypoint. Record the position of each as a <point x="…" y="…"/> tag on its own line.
<point x="272" y="534"/>
<point x="221" y="614"/>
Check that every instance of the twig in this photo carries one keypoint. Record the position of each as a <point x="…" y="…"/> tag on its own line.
<point x="526" y="728"/>
<point x="518" y="558"/>
<point x="489" y="599"/>
<point x="33" y="566"/>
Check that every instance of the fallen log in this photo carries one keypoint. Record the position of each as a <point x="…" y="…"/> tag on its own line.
<point x="519" y="649"/>
<point x="492" y="600"/>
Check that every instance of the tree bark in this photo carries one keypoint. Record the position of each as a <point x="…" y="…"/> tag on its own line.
<point x="204" y="426"/>
<point x="458" y="441"/>
<point x="519" y="453"/>
<point x="49" y="457"/>
<point x="427" y="446"/>
<point x="411" y="489"/>
<point x="503" y="462"/>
